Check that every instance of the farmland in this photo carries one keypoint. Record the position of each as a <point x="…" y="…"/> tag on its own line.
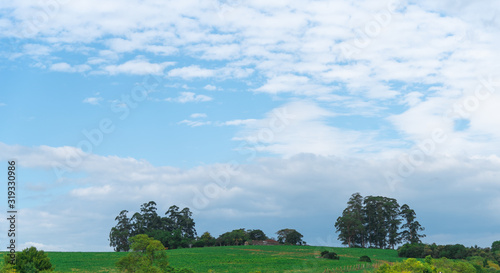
<point x="280" y="258"/>
<point x="274" y="258"/>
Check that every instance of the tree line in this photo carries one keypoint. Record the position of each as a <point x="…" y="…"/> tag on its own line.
<point x="241" y="236"/>
<point x="177" y="230"/>
<point x="377" y="221"/>
<point x="456" y="251"/>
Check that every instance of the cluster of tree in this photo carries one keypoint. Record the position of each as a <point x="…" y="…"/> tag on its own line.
<point x="377" y="221"/>
<point x="456" y="251"/>
<point x="241" y="236"/>
<point x="235" y="237"/>
<point x="148" y="255"/>
<point x="28" y="260"/>
<point x="176" y="229"/>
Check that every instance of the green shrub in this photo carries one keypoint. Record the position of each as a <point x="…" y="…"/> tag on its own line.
<point x="412" y="251"/>
<point x="409" y="265"/>
<point x="30" y="260"/>
<point x="453" y="252"/>
<point x="199" y="243"/>
<point x="365" y="259"/>
<point x="428" y="266"/>
<point x="330" y="255"/>
<point x="148" y="256"/>
<point x="324" y="252"/>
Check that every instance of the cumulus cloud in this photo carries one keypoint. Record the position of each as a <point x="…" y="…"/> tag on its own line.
<point x="210" y="87"/>
<point x="185" y="97"/>
<point x="198" y="115"/>
<point x="301" y="127"/>
<point x="189" y="72"/>
<point x="237" y="122"/>
<point x="37" y="49"/>
<point x="92" y="192"/>
<point x="137" y="67"/>
<point x="41" y="246"/>
<point x="194" y="123"/>
<point x="272" y="187"/>
<point x="294" y="84"/>
<point x="65" y="67"/>
<point x="310" y="49"/>
<point x="92" y="100"/>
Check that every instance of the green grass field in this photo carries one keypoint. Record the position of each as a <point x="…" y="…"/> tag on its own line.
<point x="237" y="259"/>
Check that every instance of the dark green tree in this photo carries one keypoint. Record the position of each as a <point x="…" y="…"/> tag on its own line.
<point x="256" y="234"/>
<point x="147" y="220"/>
<point x="207" y="239"/>
<point x="412" y="228"/>
<point x="375" y="221"/>
<point x="29" y="260"/>
<point x="181" y="220"/>
<point x="392" y="218"/>
<point x="119" y="235"/>
<point x="290" y="237"/>
<point x="235" y="237"/>
<point x="495" y="246"/>
<point x="181" y="227"/>
<point x="382" y="221"/>
<point x="350" y="225"/>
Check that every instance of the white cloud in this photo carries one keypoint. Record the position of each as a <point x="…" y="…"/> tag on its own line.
<point x="210" y="87"/>
<point x="190" y="72"/>
<point x="194" y="123"/>
<point x="220" y="52"/>
<point x="65" y="67"/>
<point x="302" y="127"/>
<point x="37" y="49"/>
<point x="138" y="67"/>
<point x="413" y="98"/>
<point x="92" y="100"/>
<point x="301" y="85"/>
<point x="298" y="48"/>
<point x="440" y="113"/>
<point x="194" y="71"/>
<point x="198" y="115"/>
<point x="185" y="97"/>
<point x="40" y="246"/>
<point x="238" y="122"/>
<point x="140" y="41"/>
<point x="271" y="186"/>
<point x="91" y="192"/>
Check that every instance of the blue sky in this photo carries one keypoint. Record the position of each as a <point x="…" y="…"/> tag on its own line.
<point x="254" y="114"/>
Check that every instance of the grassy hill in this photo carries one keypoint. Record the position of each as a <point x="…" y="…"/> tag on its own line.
<point x="237" y="259"/>
<point x="275" y="258"/>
